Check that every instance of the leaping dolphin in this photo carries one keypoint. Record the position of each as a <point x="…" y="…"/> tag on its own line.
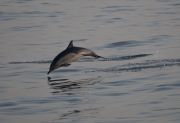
<point x="69" y="55"/>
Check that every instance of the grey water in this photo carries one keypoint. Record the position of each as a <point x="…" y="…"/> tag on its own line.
<point x="138" y="81"/>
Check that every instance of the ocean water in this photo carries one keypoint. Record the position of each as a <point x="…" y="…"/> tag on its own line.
<point x="137" y="82"/>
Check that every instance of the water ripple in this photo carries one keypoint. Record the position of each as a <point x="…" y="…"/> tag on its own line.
<point x="76" y="112"/>
<point x="164" y="87"/>
<point x="7" y="104"/>
<point x="5" y="16"/>
<point x="118" y="8"/>
<point x="148" y="64"/>
<point x="130" y="43"/>
<point x="31" y="62"/>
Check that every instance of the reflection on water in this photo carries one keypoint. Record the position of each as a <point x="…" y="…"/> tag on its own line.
<point x="62" y="85"/>
<point x="65" y="85"/>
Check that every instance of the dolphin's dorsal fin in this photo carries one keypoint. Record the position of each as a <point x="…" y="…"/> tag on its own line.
<point x="70" y="44"/>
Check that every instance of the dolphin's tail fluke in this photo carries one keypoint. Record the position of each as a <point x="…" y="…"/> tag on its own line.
<point x="99" y="56"/>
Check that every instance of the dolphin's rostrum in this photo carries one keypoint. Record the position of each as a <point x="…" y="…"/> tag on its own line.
<point x="69" y="55"/>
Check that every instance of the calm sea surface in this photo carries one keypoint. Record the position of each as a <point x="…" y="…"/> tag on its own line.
<point x="138" y="82"/>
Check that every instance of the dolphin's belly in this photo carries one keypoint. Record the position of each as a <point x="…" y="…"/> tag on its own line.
<point x="68" y="59"/>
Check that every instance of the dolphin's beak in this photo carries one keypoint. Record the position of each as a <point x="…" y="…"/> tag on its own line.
<point x="49" y="72"/>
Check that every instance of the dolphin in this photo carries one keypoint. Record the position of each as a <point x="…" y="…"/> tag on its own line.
<point x="69" y="55"/>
